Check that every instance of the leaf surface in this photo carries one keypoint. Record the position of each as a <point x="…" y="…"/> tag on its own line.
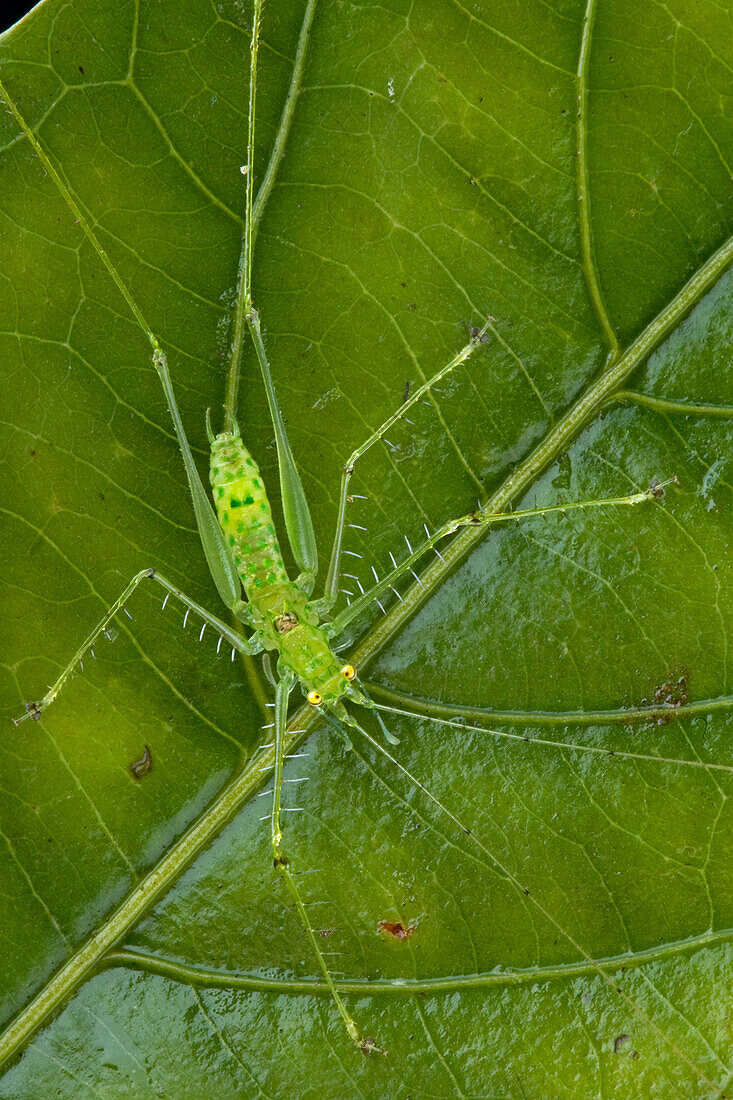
<point x="565" y="171"/>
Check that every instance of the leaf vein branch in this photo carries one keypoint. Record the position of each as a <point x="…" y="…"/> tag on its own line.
<point x="206" y="977"/>
<point x="90" y="956"/>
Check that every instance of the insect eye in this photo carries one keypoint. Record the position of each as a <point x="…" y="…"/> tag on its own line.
<point x="348" y="671"/>
<point x="315" y="698"/>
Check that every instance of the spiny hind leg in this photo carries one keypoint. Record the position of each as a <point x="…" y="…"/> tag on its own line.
<point x="473" y="519"/>
<point x="242" y="645"/>
<point x="324" y="605"/>
<point x="284" y="867"/>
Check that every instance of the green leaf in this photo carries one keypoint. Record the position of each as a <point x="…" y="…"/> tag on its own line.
<point x="565" y="171"/>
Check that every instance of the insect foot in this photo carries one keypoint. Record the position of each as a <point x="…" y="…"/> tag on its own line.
<point x="32" y="710"/>
<point x="656" y="488"/>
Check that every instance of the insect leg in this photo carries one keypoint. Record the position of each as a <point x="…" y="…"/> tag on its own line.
<point x="243" y="645"/>
<point x="334" y="568"/>
<point x="282" y="696"/>
<point x="475" y="519"/>
<point x="305" y="582"/>
<point x="284" y="867"/>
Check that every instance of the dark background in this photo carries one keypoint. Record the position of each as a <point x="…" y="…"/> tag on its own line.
<point x="12" y="10"/>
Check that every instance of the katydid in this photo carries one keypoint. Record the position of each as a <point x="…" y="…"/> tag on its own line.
<point x="241" y="547"/>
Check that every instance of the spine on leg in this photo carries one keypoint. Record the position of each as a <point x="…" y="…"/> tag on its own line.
<point x="245" y="515"/>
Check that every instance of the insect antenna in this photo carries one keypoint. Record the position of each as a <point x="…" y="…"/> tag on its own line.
<point x="546" y="742"/>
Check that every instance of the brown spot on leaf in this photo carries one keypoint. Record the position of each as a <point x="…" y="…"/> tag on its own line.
<point x="619" y="1042"/>
<point x="396" y="929"/>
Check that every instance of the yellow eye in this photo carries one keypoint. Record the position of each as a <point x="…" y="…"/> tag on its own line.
<point x="315" y="698"/>
<point x="348" y="671"/>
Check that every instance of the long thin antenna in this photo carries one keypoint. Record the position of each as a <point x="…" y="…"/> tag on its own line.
<point x="256" y="205"/>
<point x="249" y="180"/>
<point x="244" y="278"/>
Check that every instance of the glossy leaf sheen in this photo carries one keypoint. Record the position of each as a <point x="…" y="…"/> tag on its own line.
<point x="430" y="177"/>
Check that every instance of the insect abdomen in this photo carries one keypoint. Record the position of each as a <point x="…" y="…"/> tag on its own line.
<point x="244" y="514"/>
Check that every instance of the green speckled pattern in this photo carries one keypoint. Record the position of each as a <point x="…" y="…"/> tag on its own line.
<point x="245" y="516"/>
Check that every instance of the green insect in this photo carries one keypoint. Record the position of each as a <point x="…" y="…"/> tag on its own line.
<point x="241" y="546"/>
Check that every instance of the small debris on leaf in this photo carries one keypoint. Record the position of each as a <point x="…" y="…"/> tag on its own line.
<point x="141" y="767"/>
